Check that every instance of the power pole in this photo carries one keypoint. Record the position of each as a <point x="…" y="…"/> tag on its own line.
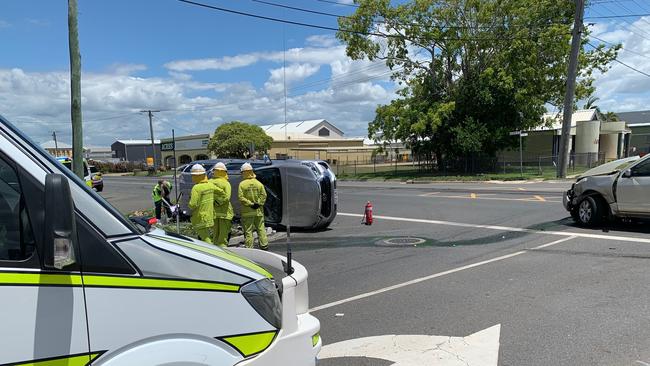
<point x="153" y="144"/>
<point x="56" y="144"/>
<point x="75" y="90"/>
<point x="565" y="146"/>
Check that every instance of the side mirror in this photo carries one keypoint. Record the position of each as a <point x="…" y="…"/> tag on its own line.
<point x="627" y="173"/>
<point x="60" y="231"/>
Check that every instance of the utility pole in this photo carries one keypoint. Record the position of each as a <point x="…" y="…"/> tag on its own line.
<point x="75" y="90"/>
<point x="56" y="144"/>
<point x="565" y="139"/>
<point x="153" y="144"/>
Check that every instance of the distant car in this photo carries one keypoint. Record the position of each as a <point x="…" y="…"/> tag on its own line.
<point x="92" y="175"/>
<point x="620" y="188"/>
<point x="310" y="186"/>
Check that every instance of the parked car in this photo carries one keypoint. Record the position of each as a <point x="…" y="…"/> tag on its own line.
<point x="620" y="188"/>
<point x="92" y="175"/>
<point x="300" y="192"/>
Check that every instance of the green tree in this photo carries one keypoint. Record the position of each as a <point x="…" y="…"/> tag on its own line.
<point x="234" y="139"/>
<point x="471" y="70"/>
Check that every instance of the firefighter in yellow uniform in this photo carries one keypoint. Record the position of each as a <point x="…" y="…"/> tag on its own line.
<point x="223" y="211"/>
<point x="202" y="203"/>
<point x="252" y="196"/>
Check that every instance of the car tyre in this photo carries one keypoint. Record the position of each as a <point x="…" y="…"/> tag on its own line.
<point x="589" y="212"/>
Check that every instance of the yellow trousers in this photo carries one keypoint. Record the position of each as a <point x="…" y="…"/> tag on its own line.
<point x="254" y="223"/>
<point x="204" y="234"/>
<point x="221" y="231"/>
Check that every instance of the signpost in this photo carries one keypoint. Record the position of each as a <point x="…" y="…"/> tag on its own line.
<point x="521" y="134"/>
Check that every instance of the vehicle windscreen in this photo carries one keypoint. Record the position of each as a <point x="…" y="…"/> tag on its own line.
<point x="93" y="169"/>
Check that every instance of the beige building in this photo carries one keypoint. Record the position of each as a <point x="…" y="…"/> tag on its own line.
<point x="188" y="148"/>
<point x="592" y="138"/>
<point x="57" y="149"/>
<point x="315" y="139"/>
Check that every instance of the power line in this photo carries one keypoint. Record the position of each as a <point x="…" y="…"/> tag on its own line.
<point x="624" y="64"/>
<point x="310" y="11"/>
<point x="618" y="16"/>
<point x="622" y="48"/>
<point x="335" y="29"/>
<point x="631" y="68"/>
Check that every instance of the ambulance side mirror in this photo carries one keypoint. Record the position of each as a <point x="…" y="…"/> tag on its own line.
<point x="60" y="232"/>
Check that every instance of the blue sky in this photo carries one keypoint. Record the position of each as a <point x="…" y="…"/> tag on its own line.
<point x="203" y="67"/>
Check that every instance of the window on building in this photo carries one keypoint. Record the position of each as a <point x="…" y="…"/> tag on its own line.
<point x="323" y="132"/>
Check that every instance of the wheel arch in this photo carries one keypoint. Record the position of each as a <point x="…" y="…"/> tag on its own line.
<point x="186" y="349"/>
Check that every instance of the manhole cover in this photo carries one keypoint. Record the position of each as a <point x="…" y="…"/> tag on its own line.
<point x="404" y="241"/>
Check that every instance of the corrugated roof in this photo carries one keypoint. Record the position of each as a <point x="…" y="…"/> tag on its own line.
<point x="299" y="127"/>
<point x="51" y="145"/>
<point x="635" y="118"/>
<point x="138" y="142"/>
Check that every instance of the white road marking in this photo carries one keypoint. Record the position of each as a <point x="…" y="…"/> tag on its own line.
<point x="435" y="275"/>
<point x="508" y="228"/>
<point x="478" y="349"/>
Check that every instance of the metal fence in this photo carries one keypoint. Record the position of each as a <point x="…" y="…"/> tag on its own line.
<point x="526" y="166"/>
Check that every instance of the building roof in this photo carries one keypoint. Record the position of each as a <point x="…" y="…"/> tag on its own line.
<point x="298" y="128"/>
<point x="636" y="118"/>
<point x="137" y="142"/>
<point x="51" y="145"/>
<point x="579" y="115"/>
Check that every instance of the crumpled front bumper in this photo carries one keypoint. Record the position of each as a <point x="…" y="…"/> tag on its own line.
<point x="298" y="342"/>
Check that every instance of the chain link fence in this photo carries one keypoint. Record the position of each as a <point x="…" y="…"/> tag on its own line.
<point x="528" y="165"/>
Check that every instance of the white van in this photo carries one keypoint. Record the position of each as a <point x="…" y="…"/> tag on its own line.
<point x="80" y="285"/>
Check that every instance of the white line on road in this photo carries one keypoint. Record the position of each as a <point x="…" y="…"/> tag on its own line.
<point x="507" y="228"/>
<point x="435" y="275"/>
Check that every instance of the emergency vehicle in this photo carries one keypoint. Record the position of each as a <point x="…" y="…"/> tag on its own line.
<point x="92" y="176"/>
<point x="80" y="285"/>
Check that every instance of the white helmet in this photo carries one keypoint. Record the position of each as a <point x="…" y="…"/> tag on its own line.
<point x="197" y="169"/>
<point x="220" y="166"/>
<point x="246" y="167"/>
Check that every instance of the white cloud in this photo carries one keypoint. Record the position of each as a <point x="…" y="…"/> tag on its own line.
<point x="312" y="55"/>
<point x="222" y="63"/>
<point x="621" y="88"/>
<point x="126" y="69"/>
<point x="322" y="40"/>
<point x="293" y="73"/>
<point x="38" y="102"/>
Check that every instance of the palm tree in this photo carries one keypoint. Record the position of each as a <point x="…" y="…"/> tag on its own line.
<point x="611" y="117"/>
<point x="591" y="103"/>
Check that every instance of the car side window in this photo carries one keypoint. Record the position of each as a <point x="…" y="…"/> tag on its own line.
<point x="16" y="238"/>
<point x="642" y="170"/>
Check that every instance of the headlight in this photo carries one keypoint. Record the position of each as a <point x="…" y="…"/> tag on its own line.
<point x="264" y="298"/>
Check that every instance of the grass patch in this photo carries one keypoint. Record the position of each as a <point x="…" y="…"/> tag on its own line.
<point x="416" y="175"/>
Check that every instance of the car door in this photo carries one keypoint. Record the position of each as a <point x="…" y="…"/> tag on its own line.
<point x="42" y="312"/>
<point x="633" y="192"/>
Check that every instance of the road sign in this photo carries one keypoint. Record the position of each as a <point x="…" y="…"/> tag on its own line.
<point x="523" y="134"/>
<point x="519" y="133"/>
<point x="167" y="146"/>
<point x="478" y="349"/>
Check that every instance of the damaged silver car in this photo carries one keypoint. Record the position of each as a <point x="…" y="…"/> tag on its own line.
<point x="620" y="188"/>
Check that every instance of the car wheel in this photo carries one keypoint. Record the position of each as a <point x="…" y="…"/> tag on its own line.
<point x="589" y="212"/>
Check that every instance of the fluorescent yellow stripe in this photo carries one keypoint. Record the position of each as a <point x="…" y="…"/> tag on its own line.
<point x="48" y="279"/>
<point x="139" y="282"/>
<point x="223" y="254"/>
<point x="251" y="344"/>
<point x="79" y="360"/>
<point x="314" y="339"/>
<point x="44" y="279"/>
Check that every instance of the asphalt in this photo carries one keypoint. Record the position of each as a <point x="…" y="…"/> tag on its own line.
<point x="582" y="300"/>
